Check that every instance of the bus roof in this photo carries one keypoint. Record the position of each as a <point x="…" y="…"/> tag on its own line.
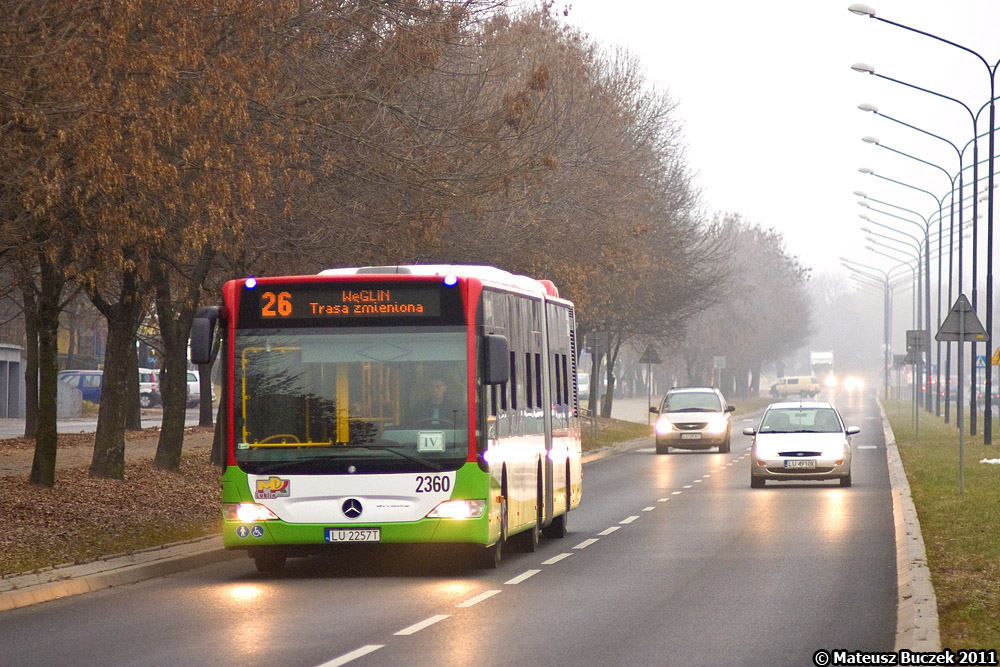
<point x="486" y="273"/>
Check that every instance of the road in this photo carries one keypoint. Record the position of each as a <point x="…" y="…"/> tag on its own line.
<point x="671" y="560"/>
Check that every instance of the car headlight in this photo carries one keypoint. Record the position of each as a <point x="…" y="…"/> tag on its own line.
<point x="663" y="426"/>
<point x="716" y="425"/>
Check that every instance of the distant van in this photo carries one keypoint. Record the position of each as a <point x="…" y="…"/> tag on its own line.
<point x="796" y="385"/>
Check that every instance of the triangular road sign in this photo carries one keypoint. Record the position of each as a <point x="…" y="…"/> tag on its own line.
<point x="961" y="324"/>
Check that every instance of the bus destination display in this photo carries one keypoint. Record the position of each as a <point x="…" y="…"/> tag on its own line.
<point x="286" y="302"/>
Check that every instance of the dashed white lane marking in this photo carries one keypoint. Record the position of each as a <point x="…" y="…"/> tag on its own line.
<point x="521" y="577"/>
<point x="686" y="486"/>
<point x="663" y="500"/>
<point x="417" y="627"/>
<point x="708" y="475"/>
<point x="697" y="481"/>
<point x="585" y="543"/>
<point x="628" y="520"/>
<point x="556" y="559"/>
<point x="648" y="509"/>
<point x="677" y="493"/>
<point x="476" y="600"/>
<point x="867" y="447"/>
<point x="353" y="655"/>
<point x="608" y="531"/>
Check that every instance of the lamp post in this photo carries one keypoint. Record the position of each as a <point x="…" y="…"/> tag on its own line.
<point x="864" y="10"/>
<point x="856" y="267"/>
<point x="927" y="256"/>
<point x="951" y="181"/>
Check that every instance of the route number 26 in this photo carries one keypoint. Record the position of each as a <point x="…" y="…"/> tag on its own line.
<point x="276" y="305"/>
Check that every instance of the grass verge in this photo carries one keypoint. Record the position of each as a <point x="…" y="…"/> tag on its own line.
<point x="961" y="531"/>
<point x="610" y="432"/>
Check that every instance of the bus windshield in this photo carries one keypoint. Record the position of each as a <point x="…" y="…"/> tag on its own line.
<point x="351" y="400"/>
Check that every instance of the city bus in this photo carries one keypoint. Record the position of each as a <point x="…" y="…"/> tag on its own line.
<point x="331" y="439"/>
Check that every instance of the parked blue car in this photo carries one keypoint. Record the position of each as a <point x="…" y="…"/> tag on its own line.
<point x="88" y="382"/>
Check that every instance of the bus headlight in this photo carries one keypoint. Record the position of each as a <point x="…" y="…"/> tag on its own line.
<point x="458" y="509"/>
<point x="247" y="512"/>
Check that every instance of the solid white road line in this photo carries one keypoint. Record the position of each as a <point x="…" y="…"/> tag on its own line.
<point x="417" y="627"/>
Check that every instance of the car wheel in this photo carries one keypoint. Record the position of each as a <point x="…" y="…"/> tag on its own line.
<point x="662" y="449"/>
<point x="757" y="482"/>
<point x="724" y="447"/>
<point x="145" y="401"/>
<point x="846" y="481"/>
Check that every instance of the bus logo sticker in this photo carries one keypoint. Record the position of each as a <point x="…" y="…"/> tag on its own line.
<point x="273" y="487"/>
<point x="352" y="508"/>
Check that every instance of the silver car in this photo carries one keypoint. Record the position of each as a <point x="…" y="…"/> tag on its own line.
<point x="692" y="418"/>
<point x="800" y="440"/>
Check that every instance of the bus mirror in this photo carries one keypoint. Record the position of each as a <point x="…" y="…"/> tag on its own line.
<point x="203" y="334"/>
<point x="496" y="352"/>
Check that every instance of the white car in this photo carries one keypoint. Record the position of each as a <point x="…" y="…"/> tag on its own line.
<point x="800" y="440"/>
<point x="149" y="387"/>
<point x="194" y="389"/>
<point x="693" y="418"/>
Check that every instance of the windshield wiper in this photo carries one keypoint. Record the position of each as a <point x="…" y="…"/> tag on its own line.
<point x="397" y="452"/>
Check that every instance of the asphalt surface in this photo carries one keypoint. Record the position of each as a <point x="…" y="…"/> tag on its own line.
<point x="916" y="611"/>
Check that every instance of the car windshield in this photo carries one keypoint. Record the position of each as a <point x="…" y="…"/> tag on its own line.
<point x="801" y="420"/>
<point x="351" y="400"/>
<point x="692" y="401"/>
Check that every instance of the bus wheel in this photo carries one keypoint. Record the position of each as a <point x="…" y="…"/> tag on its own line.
<point x="269" y="561"/>
<point x="490" y="557"/>
<point x="529" y="539"/>
<point x="559" y="527"/>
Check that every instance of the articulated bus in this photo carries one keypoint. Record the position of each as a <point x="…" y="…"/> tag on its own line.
<point x="429" y="404"/>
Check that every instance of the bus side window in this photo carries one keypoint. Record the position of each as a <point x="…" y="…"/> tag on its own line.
<point x="513" y="381"/>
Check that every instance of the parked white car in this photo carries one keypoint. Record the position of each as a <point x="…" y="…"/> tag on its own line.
<point x="194" y="389"/>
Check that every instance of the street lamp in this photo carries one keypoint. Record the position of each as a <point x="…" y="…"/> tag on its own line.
<point x="866" y="10"/>
<point x="868" y="69"/>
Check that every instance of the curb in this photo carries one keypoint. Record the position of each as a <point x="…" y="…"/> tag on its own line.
<point x="916" y="612"/>
<point x="23" y="590"/>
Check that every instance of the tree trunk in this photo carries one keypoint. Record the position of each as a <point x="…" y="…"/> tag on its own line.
<point x="30" y="364"/>
<point x="133" y="416"/>
<point x="43" y="466"/>
<point x="205" y="407"/>
<point x="120" y="372"/>
<point x="109" y="444"/>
